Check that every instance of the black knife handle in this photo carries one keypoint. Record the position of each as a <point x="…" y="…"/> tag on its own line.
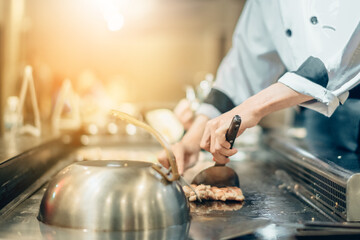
<point x="233" y="130"/>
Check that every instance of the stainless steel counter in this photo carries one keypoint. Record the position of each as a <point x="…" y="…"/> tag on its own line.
<point x="264" y="198"/>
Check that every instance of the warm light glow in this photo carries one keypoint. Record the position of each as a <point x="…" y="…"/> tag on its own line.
<point x="130" y="129"/>
<point x="112" y="128"/>
<point x="115" y="22"/>
<point x="84" y="139"/>
<point x="93" y="129"/>
<point x="111" y="12"/>
<point x="158" y="48"/>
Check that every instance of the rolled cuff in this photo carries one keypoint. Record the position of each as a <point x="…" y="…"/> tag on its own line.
<point x="208" y="110"/>
<point x="219" y="100"/>
<point x="325" y="102"/>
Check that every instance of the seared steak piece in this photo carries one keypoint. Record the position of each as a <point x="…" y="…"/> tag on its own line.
<point x="206" y="192"/>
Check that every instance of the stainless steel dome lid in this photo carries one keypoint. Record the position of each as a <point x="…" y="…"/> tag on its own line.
<point x="113" y="196"/>
<point x="116" y="195"/>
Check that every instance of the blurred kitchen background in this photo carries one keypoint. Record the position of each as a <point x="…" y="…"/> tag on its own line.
<point x="143" y="52"/>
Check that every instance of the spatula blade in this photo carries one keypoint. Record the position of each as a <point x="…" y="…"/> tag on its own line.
<point x="219" y="176"/>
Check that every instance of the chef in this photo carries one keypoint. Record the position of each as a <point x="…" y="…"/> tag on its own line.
<point x="284" y="53"/>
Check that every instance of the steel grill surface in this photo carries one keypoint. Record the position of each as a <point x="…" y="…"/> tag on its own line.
<point x="263" y="199"/>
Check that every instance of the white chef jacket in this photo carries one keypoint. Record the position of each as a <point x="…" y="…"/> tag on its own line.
<point x="273" y="38"/>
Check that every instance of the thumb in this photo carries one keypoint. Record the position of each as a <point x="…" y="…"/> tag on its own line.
<point x="241" y="130"/>
<point x="162" y="158"/>
<point x="180" y="158"/>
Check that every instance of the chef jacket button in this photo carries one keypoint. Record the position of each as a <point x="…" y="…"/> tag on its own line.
<point x="314" y="20"/>
<point x="288" y="32"/>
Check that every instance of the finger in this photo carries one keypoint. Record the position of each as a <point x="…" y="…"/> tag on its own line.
<point x="220" y="159"/>
<point x="218" y="149"/>
<point x="221" y="137"/>
<point x="220" y="133"/>
<point x="212" y="137"/>
<point x="223" y="132"/>
<point x="193" y="158"/>
<point x="205" y="140"/>
<point x="227" y="152"/>
<point x="162" y="158"/>
<point x="241" y="130"/>
<point x="225" y="144"/>
<point x="180" y="157"/>
<point x="188" y="115"/>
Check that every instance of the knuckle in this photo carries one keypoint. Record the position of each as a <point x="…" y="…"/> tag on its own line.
<point x="224" y="152"/>
<point x="212" y="124"/>
<point x="218" y="133"/>
<point x="221" y="160"/>
<point x="161" y="160"/>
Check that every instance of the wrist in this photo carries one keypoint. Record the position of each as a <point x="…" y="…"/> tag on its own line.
<point x="250" y="112"/>
<point x="256" y="108"/>
<point x="192" y="138"/>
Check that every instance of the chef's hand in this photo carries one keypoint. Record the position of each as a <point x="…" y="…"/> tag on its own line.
<point x="187" y="150"/>
<point x="184" y="113"/>
<point x="273" y="98"/>
<point x="214" y="140"/>
<point x="185" y="155"/>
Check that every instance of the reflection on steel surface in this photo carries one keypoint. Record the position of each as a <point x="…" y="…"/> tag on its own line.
<point x="113" y="195"/>
<point x="223" y="228"/>
<point x="99" y="153"/>
<point x="212" y="206"/>
<point x="177" y="232"/>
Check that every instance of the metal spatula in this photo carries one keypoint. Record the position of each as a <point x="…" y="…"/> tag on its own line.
<point x="220" y="175"/>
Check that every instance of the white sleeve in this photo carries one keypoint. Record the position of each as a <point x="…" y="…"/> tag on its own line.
<point x="251" y="65"/>
<point x="342" y="73"/>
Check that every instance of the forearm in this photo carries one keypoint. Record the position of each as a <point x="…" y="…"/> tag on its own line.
<point x="194" y="134"/>
<point x="273" y="98"/>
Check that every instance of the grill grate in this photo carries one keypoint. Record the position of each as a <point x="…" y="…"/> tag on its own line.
<point x="325" y="191"/>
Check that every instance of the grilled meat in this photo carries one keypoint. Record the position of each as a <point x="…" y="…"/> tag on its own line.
<point x="207" y="192"/>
